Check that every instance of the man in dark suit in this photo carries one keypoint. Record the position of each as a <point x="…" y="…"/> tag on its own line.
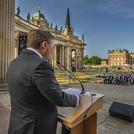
<point x="33" y="88"/>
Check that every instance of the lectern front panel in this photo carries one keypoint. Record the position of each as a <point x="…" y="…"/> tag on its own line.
<point x="90" y="126"/>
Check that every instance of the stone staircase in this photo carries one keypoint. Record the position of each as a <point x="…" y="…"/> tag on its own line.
<point x="3" y="85"/>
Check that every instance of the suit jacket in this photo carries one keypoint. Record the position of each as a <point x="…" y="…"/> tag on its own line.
<point x="34" y="93"/>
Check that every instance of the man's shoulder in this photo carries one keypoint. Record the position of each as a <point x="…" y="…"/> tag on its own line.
<point x="30" y="59"/>
<point x="45" y="64"/>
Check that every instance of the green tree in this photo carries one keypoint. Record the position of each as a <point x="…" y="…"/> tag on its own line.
<point x="94" y="60"/>
<point x="86" y="60"/>
<point x="104" y="59"/>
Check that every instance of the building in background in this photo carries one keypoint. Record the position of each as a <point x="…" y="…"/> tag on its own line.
<point x="120" y="57"/>
<point x="104" y="62"/>
<point x="68" y="50"/>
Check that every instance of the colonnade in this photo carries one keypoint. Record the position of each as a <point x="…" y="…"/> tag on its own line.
<point x="61" y="54"/>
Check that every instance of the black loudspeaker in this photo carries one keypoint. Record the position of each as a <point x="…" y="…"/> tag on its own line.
<point x="122" y="111"/>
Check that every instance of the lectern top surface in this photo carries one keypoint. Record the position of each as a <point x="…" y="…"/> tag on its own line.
<point x="73" y="114"/>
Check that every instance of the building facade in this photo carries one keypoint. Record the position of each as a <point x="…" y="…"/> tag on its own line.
<point x="68" y="49"/>
<point x="104" y="62"/>
<point x="120" y="57"/>
<point x="13" y="37"/>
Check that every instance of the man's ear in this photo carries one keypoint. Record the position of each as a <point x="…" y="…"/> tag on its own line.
<point x="43" y="44"/>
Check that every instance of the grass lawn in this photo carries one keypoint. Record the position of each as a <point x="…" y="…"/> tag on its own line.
<point x="83" y="76"/>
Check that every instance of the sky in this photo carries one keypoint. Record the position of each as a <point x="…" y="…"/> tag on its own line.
<point x="106" y="24"/>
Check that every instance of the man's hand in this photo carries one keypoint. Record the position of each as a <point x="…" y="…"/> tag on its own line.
<point x="80" y="97"/>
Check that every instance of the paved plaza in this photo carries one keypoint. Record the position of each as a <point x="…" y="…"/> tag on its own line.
<point x="106" y="124"/>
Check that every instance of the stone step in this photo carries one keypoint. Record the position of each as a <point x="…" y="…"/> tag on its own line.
<point x="3" y="85"/>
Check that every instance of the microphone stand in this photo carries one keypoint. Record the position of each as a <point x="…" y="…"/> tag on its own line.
<point x="83" y="91"/>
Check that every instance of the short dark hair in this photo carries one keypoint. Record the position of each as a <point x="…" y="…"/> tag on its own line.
<point x="36" y="37"/>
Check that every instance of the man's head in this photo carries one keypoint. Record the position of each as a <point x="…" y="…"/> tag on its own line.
<point x="41" y="41"/>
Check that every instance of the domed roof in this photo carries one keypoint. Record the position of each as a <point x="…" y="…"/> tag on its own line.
<point x="39" y="16"/>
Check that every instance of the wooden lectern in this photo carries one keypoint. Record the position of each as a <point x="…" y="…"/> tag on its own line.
<point x="75" y="117"/>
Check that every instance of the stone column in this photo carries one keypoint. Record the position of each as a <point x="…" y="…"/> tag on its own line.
<point x="55" y="57"/>
<point x="70" y="60"/>
<point x="52" y="59"/>
<point x="63" y="59"/>
<point x="16" y="43"/>
<point x="60" y="54"/>
<point x="82" y="52"/>
<point x="76" y="61"/>
<point x="68" y="57"/>
<point x="7" y="35"/>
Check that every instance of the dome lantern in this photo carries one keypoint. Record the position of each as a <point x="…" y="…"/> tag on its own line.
<point x="39" y="16"/>
<point x="39" y="8"/>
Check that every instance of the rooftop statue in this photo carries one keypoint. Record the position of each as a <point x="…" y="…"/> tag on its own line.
<point x="51" y="26"/>
<point x="82" y="36"/>
<point x="55" y="28"/>
<point x="18" y="11"/>
<point x="61" y="30"/>
<point x="28" y="17"/>
<point x="72" y="29"/>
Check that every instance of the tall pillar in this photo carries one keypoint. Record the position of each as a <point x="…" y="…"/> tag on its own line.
<point x="82" y="57"/>
<point x="63" y="59"/>
<point x="76" y="61"/>
<point x="68" y="57"/>
<point x="7" y="37"/>
<point x="16" y="43"/>
<point x="55" y="57"/>
<point x="60" y="54"/>
<point x="52" y="59"/>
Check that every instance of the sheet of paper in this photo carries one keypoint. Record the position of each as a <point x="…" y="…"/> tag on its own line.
<point x="73" y="91"/>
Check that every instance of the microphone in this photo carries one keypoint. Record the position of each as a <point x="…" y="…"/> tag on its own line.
<point x="83" y="90"/>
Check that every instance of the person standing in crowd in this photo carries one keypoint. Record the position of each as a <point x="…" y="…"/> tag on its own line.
<point x="106" y="69"/>
<point x="69" y="77"/>
<point x="33" y="88"/>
